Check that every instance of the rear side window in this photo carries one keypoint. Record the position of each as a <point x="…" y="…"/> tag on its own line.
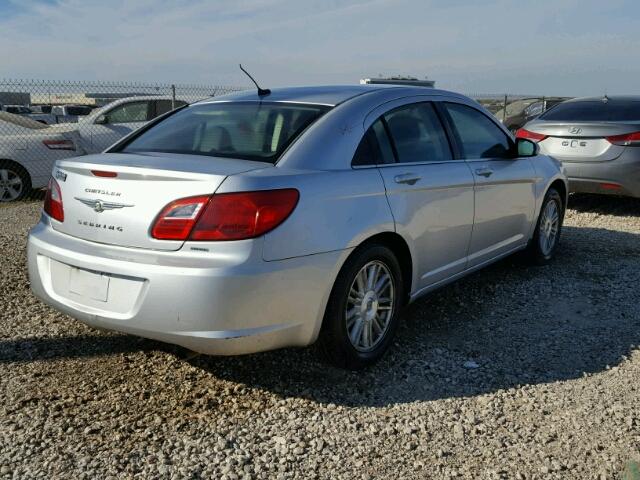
<point x="594" y="111"/>
<point x="478" y="136"/>
<point x="247" y="130"/>
<point x="375" y="147"/>
<point x="417" y="134"/>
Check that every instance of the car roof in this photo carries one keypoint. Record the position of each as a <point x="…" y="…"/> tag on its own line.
<point x="329" y="95"/>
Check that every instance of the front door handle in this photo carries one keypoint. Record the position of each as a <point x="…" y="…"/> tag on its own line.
<point x="484" y="172"/>
<point x="408" y="178"/>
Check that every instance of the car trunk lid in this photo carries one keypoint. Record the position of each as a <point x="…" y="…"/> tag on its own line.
<point x="581" y="141"/>
<point x="114" y="198"/>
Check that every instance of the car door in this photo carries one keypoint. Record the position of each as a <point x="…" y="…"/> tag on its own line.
<point x="504" y="183"/>
<point x="429" y="192"/>
<point x="121" y="120"/>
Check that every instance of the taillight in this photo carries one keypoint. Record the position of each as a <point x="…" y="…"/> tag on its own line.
<point x="225" y="216"/>
<point x="177" y="219"/>
<point x="103" y="173"/>
<point x="533" y="136"/>
<point x="628" y="139"/>
<point x="59" y="144"/>
<point x="53" y="201"/>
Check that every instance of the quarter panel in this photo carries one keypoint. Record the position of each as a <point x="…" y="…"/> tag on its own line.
<point x="337" y="209"/>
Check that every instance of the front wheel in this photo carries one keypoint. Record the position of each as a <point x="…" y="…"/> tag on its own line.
<point x="546" y="237"/>
<point x="362" y="313"/>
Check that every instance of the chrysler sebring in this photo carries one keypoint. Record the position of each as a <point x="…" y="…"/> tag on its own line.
<point x="255" y="221"/>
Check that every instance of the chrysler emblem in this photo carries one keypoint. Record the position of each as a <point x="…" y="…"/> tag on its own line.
<point x="100" y="206"/>
<point x="575" y="130"/>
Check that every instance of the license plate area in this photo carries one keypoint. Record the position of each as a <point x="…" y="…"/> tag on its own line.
<point x="89" y="284"/>
<point x="108" y="294"/>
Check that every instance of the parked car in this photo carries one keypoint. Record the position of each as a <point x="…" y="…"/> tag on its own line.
<point x="522" y="111"/>
<point x="28" y="151"/>
<point x="24" y="111"/>
<point x="105" y="126"/>
<point x="250" y="222"/>
<point x="598" y="141"/>
<point x="70" y="113"/>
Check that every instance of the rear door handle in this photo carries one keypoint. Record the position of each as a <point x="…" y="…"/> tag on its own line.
<point x="484" y="172"/>
<point x="408" y="178"/>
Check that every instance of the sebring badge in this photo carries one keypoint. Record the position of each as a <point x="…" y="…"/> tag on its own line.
<point x="99" y="206"/>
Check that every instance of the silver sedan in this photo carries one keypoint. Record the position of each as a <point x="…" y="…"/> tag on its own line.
<point x="596" y="139"/>
<point x="256" y="221"/>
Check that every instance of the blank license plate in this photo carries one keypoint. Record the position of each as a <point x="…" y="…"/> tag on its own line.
<point x="94" y="285"/>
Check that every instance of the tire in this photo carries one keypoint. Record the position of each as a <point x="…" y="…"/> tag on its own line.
<point x="540" y="252"/>
<point x="374" y="315"/>
<point x="15" y="182"/>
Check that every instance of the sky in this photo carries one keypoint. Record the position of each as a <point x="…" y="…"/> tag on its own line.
<point x="547" y="47"/>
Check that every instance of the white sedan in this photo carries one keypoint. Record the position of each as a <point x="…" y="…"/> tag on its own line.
<point x="28" y="150"/>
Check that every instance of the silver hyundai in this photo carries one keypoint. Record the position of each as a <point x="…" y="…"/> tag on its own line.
<point x="596" y="139"/>
<point x="262" y="220"/>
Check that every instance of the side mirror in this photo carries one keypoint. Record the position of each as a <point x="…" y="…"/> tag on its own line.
<point x="101" y="120"/>
<point x="526" y="148"/>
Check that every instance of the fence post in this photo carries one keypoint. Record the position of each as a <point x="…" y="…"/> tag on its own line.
<point x="504" y="110"/>
<point x="173" y="97"/>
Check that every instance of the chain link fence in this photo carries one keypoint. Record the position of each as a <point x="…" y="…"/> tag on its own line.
<point x="45" y="121"/>
<point x="516" y="110"/>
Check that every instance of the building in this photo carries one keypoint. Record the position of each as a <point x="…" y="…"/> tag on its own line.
<point x="15" y="98"/>
<point x="399" y="80"/>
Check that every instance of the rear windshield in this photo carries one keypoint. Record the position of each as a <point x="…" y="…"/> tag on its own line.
<point x="251" y="131"/>
<point x="595" y="111"/>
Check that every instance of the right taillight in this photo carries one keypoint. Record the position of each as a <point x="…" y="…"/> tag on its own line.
<point x="225" y="216"/>
<point x="626" y="140"/>
<point x="533" y="136"/>
<point x="53" y="201"/>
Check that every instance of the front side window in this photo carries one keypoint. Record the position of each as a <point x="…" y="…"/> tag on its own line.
<point x="478" y="136"/>
<point x="417" y="134"/>
<point x="129" y="113"/>
<point x="245" y="130"/>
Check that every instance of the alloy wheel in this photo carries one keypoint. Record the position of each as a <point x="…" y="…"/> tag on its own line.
<point x="549" y="226"/>
<point x="11" y="185"/>
<point x="369" y="306"/>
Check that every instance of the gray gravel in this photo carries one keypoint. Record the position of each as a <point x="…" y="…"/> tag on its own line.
<point x="515" y="372"/>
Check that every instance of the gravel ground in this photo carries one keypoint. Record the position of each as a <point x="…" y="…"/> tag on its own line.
<point x="514" y="372"/>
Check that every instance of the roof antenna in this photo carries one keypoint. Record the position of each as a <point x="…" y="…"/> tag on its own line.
<point x="261" y="91"/>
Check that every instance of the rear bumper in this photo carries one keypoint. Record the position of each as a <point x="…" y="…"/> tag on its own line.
<point x="616" y="177"/>
<point x="209" y="305"/>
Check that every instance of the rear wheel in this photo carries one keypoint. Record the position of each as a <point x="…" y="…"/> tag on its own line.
<point x="545" y="240"/>
<point x="362" y="313"/>
<point x="15" y="182"/>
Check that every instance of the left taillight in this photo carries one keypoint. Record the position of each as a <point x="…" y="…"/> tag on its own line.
<point x="533" y="136"/>
<point x="53" y="201"/>
<point x="225" y="216"/>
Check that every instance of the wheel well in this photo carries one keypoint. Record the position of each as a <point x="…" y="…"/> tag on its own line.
<point x="5" y="162"/>
<point x="399" y="247"/>
<point x="562" y="190"/>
